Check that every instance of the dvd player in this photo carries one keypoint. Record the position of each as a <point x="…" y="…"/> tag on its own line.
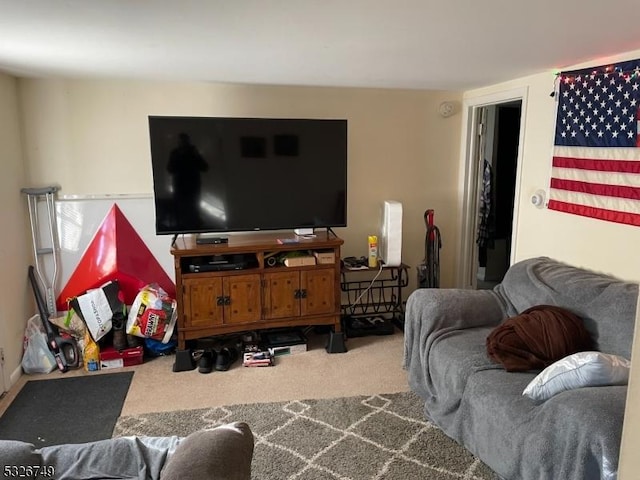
<point x="217" y="267"/>
<point x="216" y="263"/>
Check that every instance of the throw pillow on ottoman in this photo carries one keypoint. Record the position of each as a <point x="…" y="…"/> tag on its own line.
<point x="223" y="453"/>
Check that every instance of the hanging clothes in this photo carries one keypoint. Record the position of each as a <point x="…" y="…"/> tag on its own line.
<point x="485" y="223"/>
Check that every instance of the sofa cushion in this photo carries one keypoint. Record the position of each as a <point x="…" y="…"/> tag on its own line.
<point x="573" y="435"/>
<point x="433" y="313"/>
<point x="458" y="353"/>
<point x="582" y="369"/>
<point x="453" y="358"/>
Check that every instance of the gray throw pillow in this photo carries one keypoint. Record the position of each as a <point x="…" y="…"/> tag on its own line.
<point x="223" y="453"/>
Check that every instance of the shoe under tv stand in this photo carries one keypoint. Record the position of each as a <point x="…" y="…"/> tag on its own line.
<point x="237" y="286"/>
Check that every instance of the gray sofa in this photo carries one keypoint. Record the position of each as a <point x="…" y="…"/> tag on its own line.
<point x="221" y="453"/>
<point x="572" y="435"/>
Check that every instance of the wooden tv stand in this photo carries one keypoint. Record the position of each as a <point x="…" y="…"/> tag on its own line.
<point x="243" y="285"/>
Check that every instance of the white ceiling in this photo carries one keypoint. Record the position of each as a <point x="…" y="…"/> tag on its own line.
<point x="429" y="44"/>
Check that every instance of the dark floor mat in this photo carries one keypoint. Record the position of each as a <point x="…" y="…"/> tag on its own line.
<point x="66" y="410"/>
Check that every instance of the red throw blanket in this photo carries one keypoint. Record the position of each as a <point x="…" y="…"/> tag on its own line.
<point x="536" y="338"/>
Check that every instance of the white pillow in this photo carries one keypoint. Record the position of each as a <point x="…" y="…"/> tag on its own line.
<point x="582" y="369"/>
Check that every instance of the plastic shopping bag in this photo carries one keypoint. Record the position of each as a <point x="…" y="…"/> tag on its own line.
<point x="37" y="358"/>
<point x="97" y="306"/>
<point x="153" y="314"/>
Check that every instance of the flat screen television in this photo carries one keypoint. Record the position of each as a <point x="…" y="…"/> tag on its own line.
<point x="216" y="174"/>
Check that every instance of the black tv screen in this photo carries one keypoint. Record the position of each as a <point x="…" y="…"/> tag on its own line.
<point x="214" y="174"/>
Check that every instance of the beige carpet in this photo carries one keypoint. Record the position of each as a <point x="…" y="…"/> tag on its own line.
<point x="372" y="365"/>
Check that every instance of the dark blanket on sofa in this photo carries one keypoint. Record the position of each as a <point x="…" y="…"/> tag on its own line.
<point x="576" y="434"/>
<point x="536" y="338"/>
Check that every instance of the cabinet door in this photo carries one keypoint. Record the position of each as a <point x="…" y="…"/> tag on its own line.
<point x="243" y="299"/>
<point x="281" y="295"/>
<point x="318" y="291"/>
<point x="203" y="305"/>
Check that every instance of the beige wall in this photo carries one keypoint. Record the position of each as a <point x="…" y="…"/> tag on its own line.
<point x="15" y="248"/>
<point x="594" y="244"/>
<point x="92" y="137"/>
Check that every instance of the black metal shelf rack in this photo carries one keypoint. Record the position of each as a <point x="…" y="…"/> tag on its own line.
<point x="365" y="295"/>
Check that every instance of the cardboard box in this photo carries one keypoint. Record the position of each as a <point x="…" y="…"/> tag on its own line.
<point x="325" y="257"/>
<point x="300" y="261"/>
<point x="111" y="358"/>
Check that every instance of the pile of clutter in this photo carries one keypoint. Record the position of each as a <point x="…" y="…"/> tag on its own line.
<point x="254" y="349"/>
<point x="107" y="332"/>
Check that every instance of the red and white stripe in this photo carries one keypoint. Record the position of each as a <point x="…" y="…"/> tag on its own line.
<point x="602" y="183"/>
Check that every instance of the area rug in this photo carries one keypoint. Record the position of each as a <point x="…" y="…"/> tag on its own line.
<point x="66" y="410"/>
<point x="383" y="437"/>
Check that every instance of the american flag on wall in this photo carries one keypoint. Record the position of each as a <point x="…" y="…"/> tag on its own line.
<point x="596" y="156"/>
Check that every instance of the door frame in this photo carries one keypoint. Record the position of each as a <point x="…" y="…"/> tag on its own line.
<point x="469" y="180"/>
<point x="3" y="388"/>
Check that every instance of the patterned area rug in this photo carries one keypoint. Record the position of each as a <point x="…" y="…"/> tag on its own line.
<point x="383" y="437"/>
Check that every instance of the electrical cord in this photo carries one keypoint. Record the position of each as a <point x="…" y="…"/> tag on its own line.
<point x="355" y="302"/>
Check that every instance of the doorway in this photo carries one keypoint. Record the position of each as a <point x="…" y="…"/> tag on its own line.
<point x="497" y="191"/>
<point x="493" y="148"/>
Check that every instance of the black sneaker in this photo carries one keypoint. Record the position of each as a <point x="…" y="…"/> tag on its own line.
<point x="225" y="358"/>
<point x="205" y="364"/>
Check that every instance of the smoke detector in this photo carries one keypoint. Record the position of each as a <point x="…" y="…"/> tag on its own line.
<point x="446" y="109"/>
